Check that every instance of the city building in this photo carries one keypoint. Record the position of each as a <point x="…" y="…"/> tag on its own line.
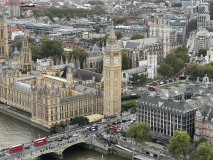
<point x="14" y="10"/>
<point x="204" y="122"/>
<point x="173" y="108"/>
<point x="202" y="40"/>
<point x="112" y="76"/>
<point x="202" y="20"/>
<point x="152" y="65"/>
<point x="94" y="62"/>
<point x="4" y="35"/>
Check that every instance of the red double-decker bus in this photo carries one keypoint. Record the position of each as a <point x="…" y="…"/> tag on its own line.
<point x="16" y="148"/>
<point x="40" y="141"/>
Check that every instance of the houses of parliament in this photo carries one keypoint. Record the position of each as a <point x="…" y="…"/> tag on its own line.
<point x="60" y="92"/>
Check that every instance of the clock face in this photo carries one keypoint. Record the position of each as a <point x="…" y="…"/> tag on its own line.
<point x="107" y="61"/>
<point x="117" y="61"/>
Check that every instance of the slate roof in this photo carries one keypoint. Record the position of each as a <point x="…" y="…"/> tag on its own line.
<point x="95" y="51"/>
<point x="207" y="111"/>
<point x="24" y="87"/>
<point x="83" y="74"/>
<point x="85" y="89"/>
<point x="133" y="43"/>
<point x="26" y="78"/>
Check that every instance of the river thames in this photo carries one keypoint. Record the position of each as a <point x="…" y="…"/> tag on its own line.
<point x="13" y="132"/>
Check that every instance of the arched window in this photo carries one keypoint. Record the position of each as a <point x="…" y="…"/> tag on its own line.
<point x="124" y="75"/>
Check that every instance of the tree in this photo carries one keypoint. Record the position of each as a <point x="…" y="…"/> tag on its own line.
<point x="51" y="47"/>
<point x="119" y="34"/>
<point x="194" y="70"/>
<point x="179" y="65"/>
<point x="166" y="70"/>
<point x="179" y="143"/>
<point x="39" y="14"/>
<point x="80" y="54"/>
<point x="81" y="120"/>
<point x="137" y="36"/>
<point x="184" y="56"/>
<point x="140" y="131"/>
<point x="202" y="52"/>
<point x="36" y="54"/>
<point x="204" y="151"/>
<point x="30" y="40"/>
<point x="97" y="29"/>
<point x="36" y="31"/>
<point x="134" y="78"/>
<point x="124" y="134"/>
<point x="181" y="49"/>
<point x="125" y="60"/>
<point x="201" y="140"/>
<point x="142" y="79"/>
<point x="68" y="17"/>
<point x="192" y="156"/>
<point x="71" y="34"/>
<point x="103" y="40"/>
<point x="60" y="15"/>
<point x="192" y="25"/>
<point x="46" y="33"/>
<point x="170" y="59"/>
<point x="17" y="44"/>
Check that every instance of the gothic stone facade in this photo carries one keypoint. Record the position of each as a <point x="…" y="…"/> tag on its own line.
<point x="49" y="100"/>
<point x="3" y="35"/>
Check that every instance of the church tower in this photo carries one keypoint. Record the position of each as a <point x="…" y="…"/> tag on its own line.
<point x="152" y="65"/>
<point x="26" y="56"/>
<point x="112" y="76"/>
<point x="3" y="35"/>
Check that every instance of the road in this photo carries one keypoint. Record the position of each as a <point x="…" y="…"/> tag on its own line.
<point x="53" y="143"/>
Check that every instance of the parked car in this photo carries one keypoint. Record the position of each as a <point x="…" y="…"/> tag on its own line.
<point x="49" y="140"/>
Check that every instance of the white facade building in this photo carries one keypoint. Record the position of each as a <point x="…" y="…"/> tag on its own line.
<point x="202" y="40"/>
<point x="152" y="66"/>
<point x="161" y="29"/>
<point x="202" y="20"/>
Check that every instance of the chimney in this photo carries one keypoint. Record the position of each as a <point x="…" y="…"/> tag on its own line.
<point x="167" y="85"/>
<point x="204" y="101"/>
<point x="197" y="82"/>
<point x="170" y="95"/>
<point x="147" y="90"/>
<point x="157" y="91"/>
<point x="187" y="79"/>
<point x="177" y="82"/>
<point x="183" y="98"/>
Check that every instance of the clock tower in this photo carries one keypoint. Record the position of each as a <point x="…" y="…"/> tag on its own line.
<point x="112" y="76"/>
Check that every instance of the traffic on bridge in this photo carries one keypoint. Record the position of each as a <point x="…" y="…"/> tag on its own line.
<point x="56" y="141"/>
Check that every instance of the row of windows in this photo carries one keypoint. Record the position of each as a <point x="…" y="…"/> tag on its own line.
<point x="204" y="132"/>
<point x="204" y="125"/>
<point x="72" y="113"/>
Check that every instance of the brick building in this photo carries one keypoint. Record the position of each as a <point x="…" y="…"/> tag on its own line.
<point x="204" y="123"/>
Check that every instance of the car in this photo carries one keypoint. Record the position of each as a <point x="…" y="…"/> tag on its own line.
<point x="49" y="140"/>
<point x="124" y="138"/>
<point x="27" y="147"/>
<point x="58" y="139"/>
<point x="66" y="137"/>
<point x="75" y="135"/>
<point x="2" y="154"/>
